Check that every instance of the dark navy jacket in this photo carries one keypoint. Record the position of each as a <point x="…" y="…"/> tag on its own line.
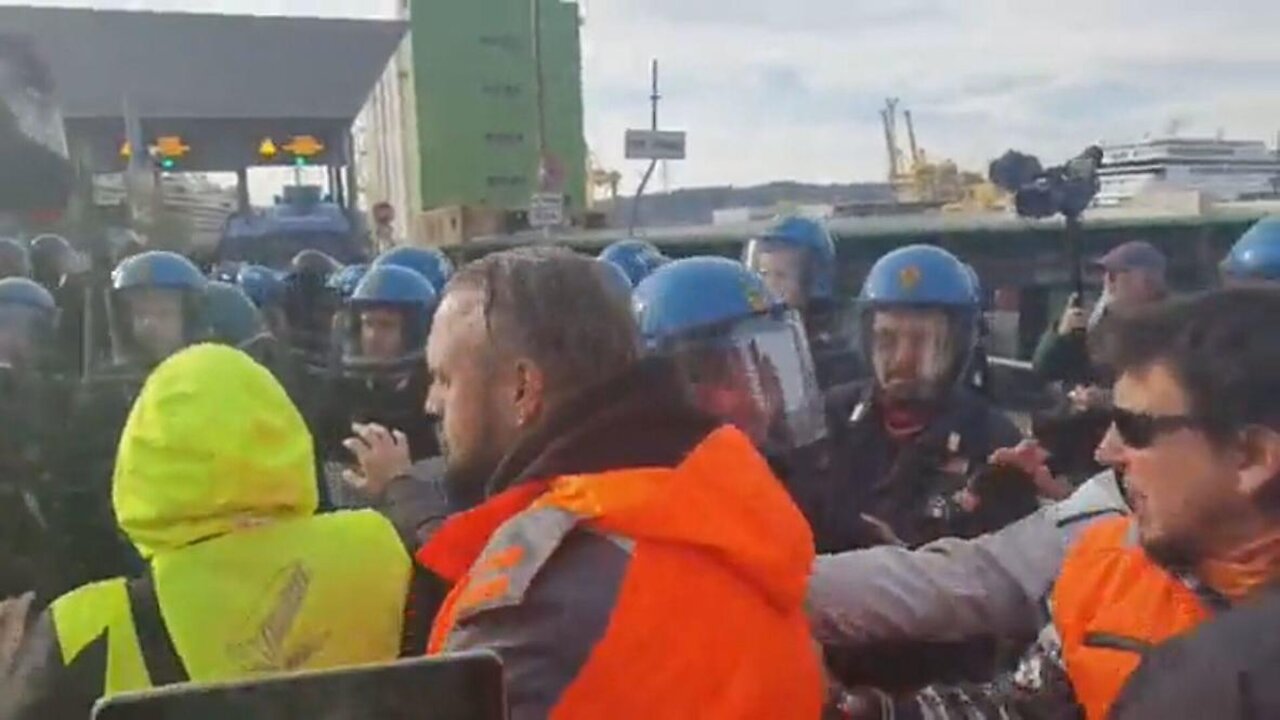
<point x="896" y="481"/>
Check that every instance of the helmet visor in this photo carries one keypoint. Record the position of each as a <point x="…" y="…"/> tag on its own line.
<point x="758" y="375"/>
<point x="376" y="336"/>
<point x="149" y="324"/>
<point x="913" y="351"/>
<point x="782" y="267"/>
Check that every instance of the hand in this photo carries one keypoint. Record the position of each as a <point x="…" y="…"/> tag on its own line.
<point x="967" y="500"/>
<point x="381" y="454"/>
<point x="1089" y="397"/>
<point x="1032" y="459"/>
<point x="1073" y="318"/>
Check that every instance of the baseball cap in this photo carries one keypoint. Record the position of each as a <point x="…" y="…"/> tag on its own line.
<point x="1133" y="255"/>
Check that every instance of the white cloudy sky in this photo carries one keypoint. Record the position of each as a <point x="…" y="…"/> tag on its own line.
<point x="770" y="89"/>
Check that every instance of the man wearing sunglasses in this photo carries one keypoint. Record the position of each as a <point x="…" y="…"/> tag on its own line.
<point x="1196" y="438"/>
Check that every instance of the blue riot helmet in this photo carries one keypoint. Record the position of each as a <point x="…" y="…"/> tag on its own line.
<point x="263" y="285"/>
<point x="156" y="309"/>
<point x="232" y="317"/>
<point x="344" y="282"/>
<point x="617" y="279"/>
<point x="15" y="261"/>
<point x="919" y="323"/>
<point x="28" y="316"/>
<point x="637" y="258"/>
<point x="309" y="303"/>
<point x="386" y="321"/>
<point x="430" y="263"/>
<point x="1256" y="255"/>
<point x="266" y="288"/>
<point x="796" y="257"/>
<point x="741" y="350"/>
<point x="975" y="283"/>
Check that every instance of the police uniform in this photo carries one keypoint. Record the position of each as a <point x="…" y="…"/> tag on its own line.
<point x="368" y="388"/>
<point x="34" y="400"/>
<point x="909" y="484"/>
<point x="908" y="473"/>
<point x="82" y="509"/>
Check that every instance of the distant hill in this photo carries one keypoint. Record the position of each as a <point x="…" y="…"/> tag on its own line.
<point x="694" y="206"/>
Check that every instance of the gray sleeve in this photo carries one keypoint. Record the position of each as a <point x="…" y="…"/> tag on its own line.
<point x="547" y="638"/>
<point x="416" y="503"/>
<point x="954" y="589"/>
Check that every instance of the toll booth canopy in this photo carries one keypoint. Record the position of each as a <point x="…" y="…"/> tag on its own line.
<point x="210" y="92"/>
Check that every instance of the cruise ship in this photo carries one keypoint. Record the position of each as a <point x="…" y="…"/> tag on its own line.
<point x="1223" y="170"/>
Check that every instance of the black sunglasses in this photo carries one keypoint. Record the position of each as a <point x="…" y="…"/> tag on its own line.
<point x="1141" y="430"/>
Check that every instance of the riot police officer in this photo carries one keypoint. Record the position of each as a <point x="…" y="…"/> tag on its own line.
<point x="14" y="260"/>
<point x="636" y="258"/>
<point x="51" y="257"/>
<point x="233" y="319"/>
<point x="309" y="306"/>
<point x="32" y="401"/>
<point x="381" y="374"/>
<point x="746" y="361"/>
<point x="266" y="289"/>
<point x="797" y="258"/>
<point x="156" y="308"/>
<point x="914" y="435"/>
<point x="430" y="263"/>
<point x="1255" y="258"/>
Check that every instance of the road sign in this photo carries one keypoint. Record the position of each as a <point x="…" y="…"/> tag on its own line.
<point x="655" y="145"/>
<point x="171" y="146"/>
<point x="306" y="146"/>
<point x="546" y="210"/>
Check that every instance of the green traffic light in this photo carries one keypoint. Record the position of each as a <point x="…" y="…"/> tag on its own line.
<point x="167" y="163"/>
<point x="300" y="161"/>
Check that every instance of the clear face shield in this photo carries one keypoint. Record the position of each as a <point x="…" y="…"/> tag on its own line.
<point x="757" y="375"/>
<point x="379" y="338"/>
<point x="150" y="324"/>
<point x="25" y="336"/>
<point x="783" y="269"/>
<point x="916" y="353"/>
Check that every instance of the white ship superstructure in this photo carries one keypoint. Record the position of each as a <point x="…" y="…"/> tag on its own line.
<point x="1223" y="170"/>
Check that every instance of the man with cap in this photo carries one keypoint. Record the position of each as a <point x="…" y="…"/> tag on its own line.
<point x="1134" y="274"/>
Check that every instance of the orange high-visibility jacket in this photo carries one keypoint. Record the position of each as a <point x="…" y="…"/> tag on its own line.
<point x="1111" y="604"/>
<point x="646" y="593"/>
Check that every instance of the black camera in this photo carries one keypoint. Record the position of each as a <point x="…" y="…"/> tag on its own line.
<point x="1065" y="189"/>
